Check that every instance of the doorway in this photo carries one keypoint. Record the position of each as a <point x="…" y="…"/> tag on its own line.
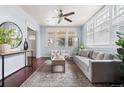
<point x="31" y="37"/>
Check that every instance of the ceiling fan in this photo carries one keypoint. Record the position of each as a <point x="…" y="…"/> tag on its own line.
<point x="62" y="16"/>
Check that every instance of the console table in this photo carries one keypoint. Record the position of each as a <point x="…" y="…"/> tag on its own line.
<point x="12" y="53"/>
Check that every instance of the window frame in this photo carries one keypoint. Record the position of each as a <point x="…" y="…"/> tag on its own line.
<point x="115" y="11"/>
<point x="106" y="10"/>
<point x="66" y="36"/>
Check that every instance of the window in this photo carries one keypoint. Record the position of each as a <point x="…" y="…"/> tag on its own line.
<point x="118" y="21"/>
<point x="72" y="39"/>
<point x="60" y="42"/>
<point x="51" y="39"/>
<point x="98" y="28"/>
<point x="102" y="27"/>
<point x="117" y="10"/>
<point x="62" y="38"/>
<point x="90" y="33"/>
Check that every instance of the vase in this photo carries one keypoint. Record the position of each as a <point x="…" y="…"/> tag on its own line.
<point x="25" y="45"/>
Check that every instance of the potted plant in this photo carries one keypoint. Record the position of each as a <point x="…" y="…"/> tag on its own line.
<point x="120" y="42"/>
<point x="5" y="39"/>
<point x="120" y="51"/>
<point x="79" y="49"/>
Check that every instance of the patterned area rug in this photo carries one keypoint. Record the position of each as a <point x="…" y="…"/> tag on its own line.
<point x="43" y="77"/>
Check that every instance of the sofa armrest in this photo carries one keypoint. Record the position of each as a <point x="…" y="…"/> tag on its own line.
<point x="104" y="70"/>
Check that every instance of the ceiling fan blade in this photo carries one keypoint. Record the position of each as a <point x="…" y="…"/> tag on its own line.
<point x="68" y="19"/>
<point x="68" y="14"/>
<point x="55" y="17"/>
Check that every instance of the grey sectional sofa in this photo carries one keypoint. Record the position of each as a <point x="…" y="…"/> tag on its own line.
<point x="98" y="67"/>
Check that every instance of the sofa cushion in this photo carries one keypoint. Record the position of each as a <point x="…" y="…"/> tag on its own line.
<point x="85" y="60"/>
<point x="108" y="56"/>
<point x="94" y="55"/>
<point x="90" y="54"/>
<point x="85" y="53"/>
<point x="99" y="56"/>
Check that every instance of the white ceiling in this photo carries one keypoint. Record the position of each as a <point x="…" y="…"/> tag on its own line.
<point x="43" y="13"/>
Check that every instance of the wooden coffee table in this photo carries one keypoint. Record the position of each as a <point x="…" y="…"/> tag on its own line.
<point x="58" y="60"/>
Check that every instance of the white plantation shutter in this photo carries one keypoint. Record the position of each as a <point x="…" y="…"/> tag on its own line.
<point x="117" y="10"/>
<point x="98" y="28"/>
<point x="90" y="33"/>
<point x="102" y="27"/>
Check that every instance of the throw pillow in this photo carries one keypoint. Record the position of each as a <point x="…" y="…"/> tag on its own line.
<point x="108" y="56"/>
<point x="99" y="56"/>
<point x="94" y="54"/>
<point x="85" y="53"/>
<point x="90" y="54"/>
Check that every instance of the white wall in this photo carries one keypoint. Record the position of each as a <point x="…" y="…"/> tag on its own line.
<point x="22" y="19"/>
<point x="45" y="51"/>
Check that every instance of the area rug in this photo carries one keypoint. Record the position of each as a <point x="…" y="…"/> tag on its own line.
<point x="43" y="77"/>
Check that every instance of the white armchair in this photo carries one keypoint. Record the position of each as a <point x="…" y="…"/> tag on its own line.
<point x="65" y="53"/>
<point x="53" y="53"/>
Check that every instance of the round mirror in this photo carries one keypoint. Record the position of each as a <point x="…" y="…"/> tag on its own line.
<point x="17" y="34"/>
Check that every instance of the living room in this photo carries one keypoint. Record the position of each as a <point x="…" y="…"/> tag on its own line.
<point x="72" y="45"/>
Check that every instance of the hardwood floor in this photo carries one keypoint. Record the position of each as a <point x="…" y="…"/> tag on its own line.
<point x="17" y="78"/>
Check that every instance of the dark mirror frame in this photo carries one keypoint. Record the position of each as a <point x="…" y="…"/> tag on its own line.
<point x="7" y="22"/>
